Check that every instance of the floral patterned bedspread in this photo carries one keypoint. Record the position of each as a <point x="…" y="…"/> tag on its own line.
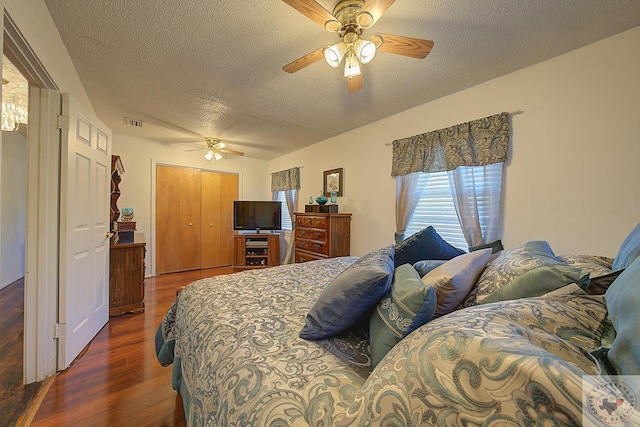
<point x="242" y="362"/>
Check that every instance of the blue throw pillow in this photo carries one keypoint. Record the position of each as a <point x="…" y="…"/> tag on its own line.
<point x="408" y="305"/>
<point x="623" y="300"/>
<point x="425" y="244"/>
<point x="352" y="294"/>
<point x="629" y="250"/>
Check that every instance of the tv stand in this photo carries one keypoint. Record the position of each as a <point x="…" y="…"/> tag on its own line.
<point x="256" y="250"/>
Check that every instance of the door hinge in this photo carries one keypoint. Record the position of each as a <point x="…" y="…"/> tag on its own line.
<point x="63" y="122"/>
<point x="60" y="330"/>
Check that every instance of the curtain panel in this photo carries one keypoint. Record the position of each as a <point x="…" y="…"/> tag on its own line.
<point x="476" y="143"/>
<point x="288" y="179"/>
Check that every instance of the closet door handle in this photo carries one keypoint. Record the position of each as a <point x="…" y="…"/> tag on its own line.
<point x="190" y="224"/>
<point x="210" y="225"/>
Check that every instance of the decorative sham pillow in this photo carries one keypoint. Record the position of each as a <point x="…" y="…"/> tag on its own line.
<point x="425" y="244"/>
<point x="600" y="274"/>
<point x="408" y="305"/>
<point x="454" y="279"/>
<point x="353" y="293"/>
<point x="527" y="270"/>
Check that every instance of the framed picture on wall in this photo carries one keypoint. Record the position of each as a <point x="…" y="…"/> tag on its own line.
<point x="333" y="182"/>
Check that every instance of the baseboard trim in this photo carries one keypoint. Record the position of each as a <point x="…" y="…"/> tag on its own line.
<point x="11" y="281"/>
<point x="32" y="409"/>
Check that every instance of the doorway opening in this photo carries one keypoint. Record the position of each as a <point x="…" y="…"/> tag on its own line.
<point x="13" y="209"/>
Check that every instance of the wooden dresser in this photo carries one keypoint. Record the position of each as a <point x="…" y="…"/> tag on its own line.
<point x="322" y="235"/>
<point x="126" y="276"/>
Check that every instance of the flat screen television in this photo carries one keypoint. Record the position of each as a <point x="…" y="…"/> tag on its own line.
<point x="255" y="215"/>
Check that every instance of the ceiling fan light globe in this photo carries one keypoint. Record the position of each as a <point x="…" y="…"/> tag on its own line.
<point x="217" y="156"/>
<point x="208" y="155"/>
<point x="334" y="54"/>
<point x="365" y="50"/>
<point x="351" y="66"/>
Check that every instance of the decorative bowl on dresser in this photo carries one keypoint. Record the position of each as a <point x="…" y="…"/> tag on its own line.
<point x="322" y="235"/>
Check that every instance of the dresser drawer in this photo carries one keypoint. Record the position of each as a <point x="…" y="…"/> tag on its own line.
<point x="311" y="221"/>
<point x="313" y="246"/>
<point x="302" y="256"/>
<point x="312" y="233"/>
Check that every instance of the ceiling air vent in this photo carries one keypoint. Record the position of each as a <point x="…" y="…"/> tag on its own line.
<point x="134" y="122"/>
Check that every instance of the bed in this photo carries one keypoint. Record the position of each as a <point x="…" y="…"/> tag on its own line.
<point x="243" y="350"/>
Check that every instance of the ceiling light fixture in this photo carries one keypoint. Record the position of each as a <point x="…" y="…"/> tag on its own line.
<point x="217" y="150"/>
<point x="351" y="66"/>
<point x="213" y="155"/>
<point x="15" y="97"/>
<point x="355" y="50"/>
<point x="349" y="19"/>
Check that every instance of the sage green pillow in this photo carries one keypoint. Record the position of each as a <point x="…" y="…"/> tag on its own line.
<point x="408" y="305"/>
<point x="527" y="270"/>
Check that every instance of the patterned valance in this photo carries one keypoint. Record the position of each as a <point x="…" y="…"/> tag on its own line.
<point x="476" y="143"/>
<point x="288" y="179"/>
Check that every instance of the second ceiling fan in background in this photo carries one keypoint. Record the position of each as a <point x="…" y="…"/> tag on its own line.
<point x="349" y="20"/>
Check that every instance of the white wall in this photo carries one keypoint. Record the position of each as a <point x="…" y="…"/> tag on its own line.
<point x="13" y="205"/>
<point x="137" y="187"/>
<point x="572" y="178"/>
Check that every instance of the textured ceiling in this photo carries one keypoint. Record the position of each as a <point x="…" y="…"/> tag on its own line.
<point x="196" y="68"/>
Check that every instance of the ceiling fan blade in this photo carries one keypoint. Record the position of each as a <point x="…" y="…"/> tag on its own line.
<point x="402" y="45"/>
<point x="314" y="11"/>
<point x="232" y="152"/>
<point x="304" y="61"/>
<point x="354" y="83"/>
<point x="371" y="11"/>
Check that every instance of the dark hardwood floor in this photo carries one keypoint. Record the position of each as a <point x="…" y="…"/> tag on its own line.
<point x="14" y="395"/>
<point x="118" y="381"/>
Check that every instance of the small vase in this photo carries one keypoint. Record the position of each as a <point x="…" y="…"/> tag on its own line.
<point x="321" y="199"/>
<point x="334" y="197"/>
<point x="310" y="200"/>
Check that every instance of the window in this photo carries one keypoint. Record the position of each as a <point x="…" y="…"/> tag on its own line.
<point x="286" y="218"/>
<point x="436" y="208"/>
<point x="436" y="205"/>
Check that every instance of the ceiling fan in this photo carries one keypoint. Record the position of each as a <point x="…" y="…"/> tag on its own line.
<point x="216" y="148"/>
<point x="349" y="20"/>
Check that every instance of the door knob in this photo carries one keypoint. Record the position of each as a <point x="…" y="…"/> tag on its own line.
<point x="210" y="225"/>
<point x="190" y="224"/>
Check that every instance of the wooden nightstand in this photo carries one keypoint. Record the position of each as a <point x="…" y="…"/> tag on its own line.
<point x="126" y="276"/>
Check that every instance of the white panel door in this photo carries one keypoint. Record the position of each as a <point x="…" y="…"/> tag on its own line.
<point x="85" y="179"/>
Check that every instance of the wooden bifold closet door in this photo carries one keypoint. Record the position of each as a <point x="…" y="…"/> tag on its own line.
<point x="194" y="218"/>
